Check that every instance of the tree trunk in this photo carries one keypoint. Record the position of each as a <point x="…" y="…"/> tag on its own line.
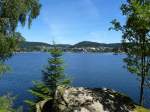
<point x="142" y="92"/>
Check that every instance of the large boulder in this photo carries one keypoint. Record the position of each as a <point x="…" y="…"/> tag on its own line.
<point x="91" y="100"/>
<point x="80" y="99"/>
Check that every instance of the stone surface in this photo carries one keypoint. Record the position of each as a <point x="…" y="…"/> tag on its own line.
<point x="89" y="100"/>
<point x="40" y="105"/>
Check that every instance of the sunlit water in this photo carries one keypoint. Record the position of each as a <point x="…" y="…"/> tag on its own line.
<point x="85" y="69"/>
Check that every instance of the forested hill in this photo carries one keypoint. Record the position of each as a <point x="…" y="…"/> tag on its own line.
<point x="40" y="46"/>
<point x="80" y="44"/>
<point x="96" y="44"/>
<point x="33" y="44"/>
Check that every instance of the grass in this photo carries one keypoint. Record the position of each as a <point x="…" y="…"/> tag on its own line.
<point x="3" y="110"/>
<point x="141" y="109"/>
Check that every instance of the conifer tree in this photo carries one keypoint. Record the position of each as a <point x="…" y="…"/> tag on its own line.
<point x="54" y="73"/>
<point x="53" y="76"/>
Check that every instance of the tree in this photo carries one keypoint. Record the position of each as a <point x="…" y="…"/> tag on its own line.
<point x="17" y="11"/>
<point x="53" y="76"/>
<point x="54" y="73"/>
<point x="136" y="39"/>
<point x="13" y="12"/>
<point x="6" y="104"/>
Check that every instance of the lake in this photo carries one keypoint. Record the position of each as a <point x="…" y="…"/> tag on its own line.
<point x="94" y="70"/>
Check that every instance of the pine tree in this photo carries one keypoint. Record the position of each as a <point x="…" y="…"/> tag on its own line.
<point x="54" y="73"/>
<point x="53" y="76"/>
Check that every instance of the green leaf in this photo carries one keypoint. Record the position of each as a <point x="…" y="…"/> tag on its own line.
<point x="31" y="103"/>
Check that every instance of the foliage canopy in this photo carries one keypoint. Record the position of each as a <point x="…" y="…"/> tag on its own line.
<point x="12" y="13"/>
<point x="136" y="38"/>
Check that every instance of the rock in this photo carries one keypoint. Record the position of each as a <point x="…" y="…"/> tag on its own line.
<point x="40" y="105"/>
<point x="80" y="99"/>
<point x="91" y="100"/>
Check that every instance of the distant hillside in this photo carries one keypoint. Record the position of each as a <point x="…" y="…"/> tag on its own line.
<point x="96" y="44"/>
<point x="64" y="45"/>
<point x="80" y="44"/>
<point x="40" y="46"/>
<point x="33" y="44"/>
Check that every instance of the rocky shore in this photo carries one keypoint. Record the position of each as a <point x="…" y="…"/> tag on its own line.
<point x="89" y="100"/>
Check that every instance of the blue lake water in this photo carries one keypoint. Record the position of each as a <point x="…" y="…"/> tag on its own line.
<point x="85" y="69"/>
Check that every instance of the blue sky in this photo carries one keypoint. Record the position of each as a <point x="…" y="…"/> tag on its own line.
<point x="72" y="21"/>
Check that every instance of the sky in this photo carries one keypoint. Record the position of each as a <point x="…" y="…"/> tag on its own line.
<point x="73" y="21"/>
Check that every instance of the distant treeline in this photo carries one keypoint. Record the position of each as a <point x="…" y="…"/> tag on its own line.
<point x="81" y="46"/>
<point x="96" y="44"/>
